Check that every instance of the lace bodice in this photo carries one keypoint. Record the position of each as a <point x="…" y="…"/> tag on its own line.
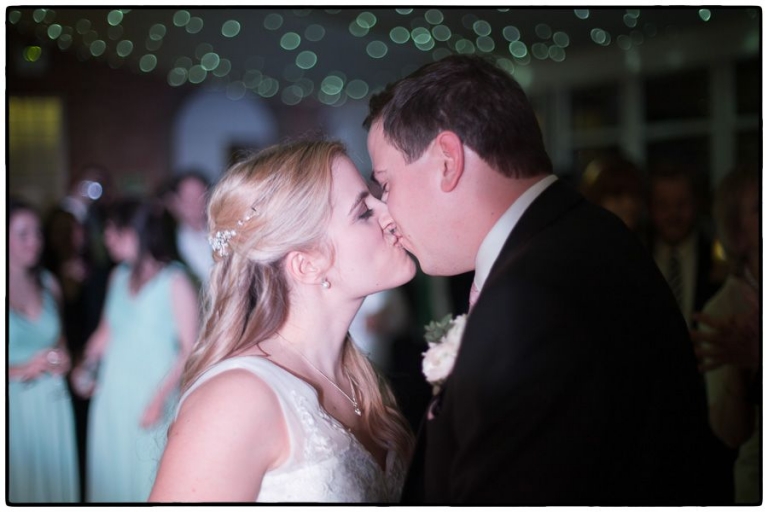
<point x="326" y="463"/>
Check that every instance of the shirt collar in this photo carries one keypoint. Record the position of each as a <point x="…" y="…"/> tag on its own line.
<point x="494" y="240"/>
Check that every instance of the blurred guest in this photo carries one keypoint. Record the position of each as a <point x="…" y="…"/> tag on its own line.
<point x="729" y="342"/>
<point x="75" y="254"/>
<point x="186" y="201"/>
<point x="89" y="196"/>
<point x="616" y="184"/>
<point x="682" y="251"/>
<point x="382" y="317"/>
<point x="147" y="329"/>
<point x="42" y="461"/>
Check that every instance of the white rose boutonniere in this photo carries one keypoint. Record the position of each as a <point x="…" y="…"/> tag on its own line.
<point x="443" y="338"/>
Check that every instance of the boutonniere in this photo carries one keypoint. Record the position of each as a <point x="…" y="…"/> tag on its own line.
<point x="443" y="338"/>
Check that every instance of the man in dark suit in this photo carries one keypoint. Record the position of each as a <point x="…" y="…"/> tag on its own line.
<point x="575" y="382"/>
<point x="681" y="250"/>
<point x="683" y="253"/>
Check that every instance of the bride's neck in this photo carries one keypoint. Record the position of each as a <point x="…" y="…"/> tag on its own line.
<point x="318" y="332"/>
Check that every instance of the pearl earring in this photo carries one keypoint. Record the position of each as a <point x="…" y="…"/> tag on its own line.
<point x="326" y="284"/>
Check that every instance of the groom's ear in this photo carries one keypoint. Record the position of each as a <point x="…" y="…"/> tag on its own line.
<point x="450" y="152"/>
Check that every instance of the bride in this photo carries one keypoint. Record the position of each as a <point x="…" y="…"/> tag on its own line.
<point x="278" y="404"/>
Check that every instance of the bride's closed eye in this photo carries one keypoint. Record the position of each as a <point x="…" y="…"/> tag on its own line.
<point x="367" y="212"/>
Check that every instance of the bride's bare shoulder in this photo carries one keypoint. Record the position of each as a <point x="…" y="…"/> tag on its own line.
<point x="235" y="392"/>
<point x="216" y="449"/>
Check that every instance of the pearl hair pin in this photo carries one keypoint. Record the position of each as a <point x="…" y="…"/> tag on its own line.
<point x="220" y="240"/>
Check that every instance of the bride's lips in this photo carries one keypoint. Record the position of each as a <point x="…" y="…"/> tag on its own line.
<point x="396" y="237"/>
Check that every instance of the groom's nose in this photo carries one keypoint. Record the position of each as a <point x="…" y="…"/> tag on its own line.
<point x="385" y="219"/>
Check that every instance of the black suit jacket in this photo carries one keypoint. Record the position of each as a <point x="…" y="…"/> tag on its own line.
<point x="575" y="383"/>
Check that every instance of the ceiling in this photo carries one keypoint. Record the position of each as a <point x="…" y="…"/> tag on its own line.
<point x="329" y="54"/>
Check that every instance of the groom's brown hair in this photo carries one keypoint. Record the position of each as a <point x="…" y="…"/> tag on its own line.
<point x="471" y="97"/>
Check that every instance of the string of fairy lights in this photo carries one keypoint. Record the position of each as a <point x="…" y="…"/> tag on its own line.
<point x="290" y="59"/>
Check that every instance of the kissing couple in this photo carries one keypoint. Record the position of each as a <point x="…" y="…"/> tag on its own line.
<point x="574" y="382"/>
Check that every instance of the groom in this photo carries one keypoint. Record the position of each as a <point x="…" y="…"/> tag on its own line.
<point x="575" y="383"/>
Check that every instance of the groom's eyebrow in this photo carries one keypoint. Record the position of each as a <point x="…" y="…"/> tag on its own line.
<point x="360" y="198"/>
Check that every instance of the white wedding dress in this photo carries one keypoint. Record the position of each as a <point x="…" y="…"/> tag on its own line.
<point x="327" y="464"/>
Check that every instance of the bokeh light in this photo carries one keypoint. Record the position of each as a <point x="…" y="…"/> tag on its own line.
<point x="98" y="47"/>
<point x="441" y="33"/>
<point x="230" y="28"/>
<point x="366" y="20"/>
<point x="399" y="35"/>
<point x="518" y="49"/>
<point x="357" y="89"/>
<point x="561" y="39"/>
<point x="314" y="33"/>
<point x="434" y="16"/>
<point x="376" y="49"/>
<point x="157" y="31"/>
<point x="582" y="14"/>
<point x="485" y="44"/>
<point x="54" y="31"/>
<point x="332" y="85"/>
<point x="290" y="41"/>
<point x="195" y="25"/>
<point x="32" y="53"/>
<point x="273" y="21"/>
<point x="177" y="77"/>
<point x="306" y="59"/>
<point x="210" y="61"/>
<point x="543" y="31"/>
<point x="511" y="33"/>
<point x="197" y="74"/>
<point x="115" y="17"/>
<point x="147" y="63"/>
<point x="181" y="18"/>
<point x="481" y="28"/>
<point x="223" y="69"/>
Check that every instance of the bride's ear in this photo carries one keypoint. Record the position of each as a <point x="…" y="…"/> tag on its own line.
<point x="306" y="267"/>
<point x="450" y="152"/>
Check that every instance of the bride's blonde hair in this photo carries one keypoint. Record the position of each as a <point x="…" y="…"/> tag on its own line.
<point x="265" y="206"/>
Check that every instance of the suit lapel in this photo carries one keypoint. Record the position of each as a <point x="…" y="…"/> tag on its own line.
<point x="551" y="204"/>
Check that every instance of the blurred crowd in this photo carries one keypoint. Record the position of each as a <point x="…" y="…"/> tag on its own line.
<point x="104" y="293"/>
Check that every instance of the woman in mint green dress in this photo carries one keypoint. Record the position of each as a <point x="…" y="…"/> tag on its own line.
<point x="42" y="455"/>
<point x="147" y="328"/>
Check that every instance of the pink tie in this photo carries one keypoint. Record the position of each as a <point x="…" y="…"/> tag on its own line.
<point x="473" y="293"/>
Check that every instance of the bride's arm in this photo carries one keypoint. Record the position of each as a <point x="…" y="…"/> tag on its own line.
<point x="228" y="433"/>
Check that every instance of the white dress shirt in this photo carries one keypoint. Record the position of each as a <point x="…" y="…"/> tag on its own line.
<point x="195" y="250"/>
<point x="494" y="240"/>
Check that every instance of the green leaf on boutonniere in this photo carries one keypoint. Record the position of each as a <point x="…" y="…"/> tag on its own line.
<point x="437" y="329"/>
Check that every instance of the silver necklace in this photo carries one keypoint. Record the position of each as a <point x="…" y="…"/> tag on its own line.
<point x="352" y="399"/>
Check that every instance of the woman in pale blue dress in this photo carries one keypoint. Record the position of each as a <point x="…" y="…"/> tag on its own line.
<point x="42" y="456"/>
<point x="147" y="328"/>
